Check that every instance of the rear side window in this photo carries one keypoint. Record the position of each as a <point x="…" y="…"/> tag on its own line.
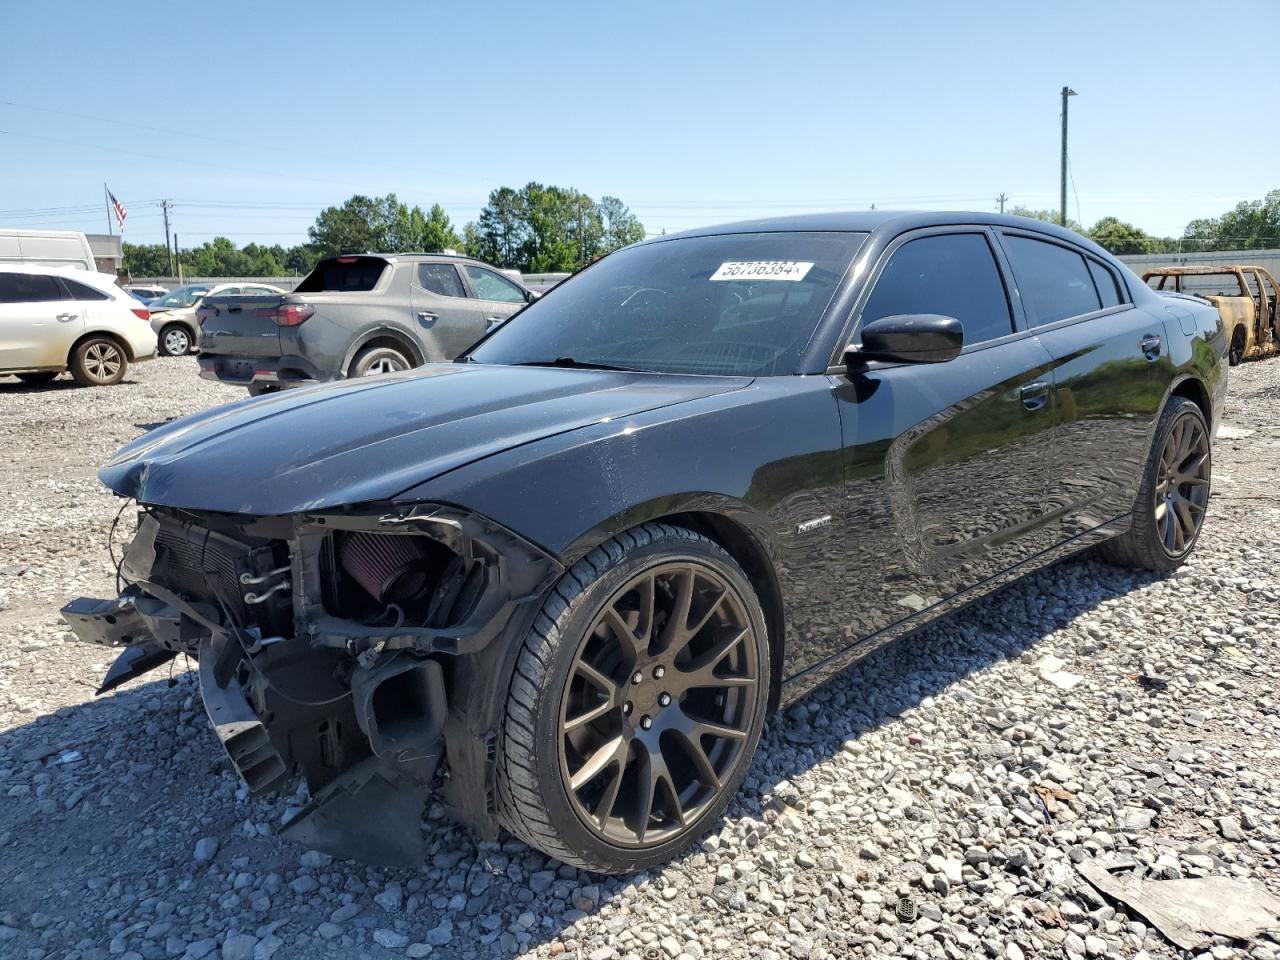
<point x="28" y="288"/>
<point x="1054" y="281"/>
<point x="954" y="275"/>
<point x="82" y="291"/>
<point x="343" y="274"/>
<point x="492" y="286"/>
<point x="441" y="278"/>
<point x="1105" y="281"/>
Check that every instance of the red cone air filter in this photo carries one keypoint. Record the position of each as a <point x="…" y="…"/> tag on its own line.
<point x="393" y="569"/>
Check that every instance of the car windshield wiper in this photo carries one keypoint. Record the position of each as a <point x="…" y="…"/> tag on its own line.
<point x="571" y="362"/>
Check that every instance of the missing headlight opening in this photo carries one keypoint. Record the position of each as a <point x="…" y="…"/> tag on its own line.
<point x="324" y="643"/>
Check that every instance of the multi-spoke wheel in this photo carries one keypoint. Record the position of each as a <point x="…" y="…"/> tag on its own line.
<point x="1174" y="494"/>
<point x="637" y="702"/>
<point x="374" y="361"/>
<point x="98" y="361"/>
<point x="175" y="340"/>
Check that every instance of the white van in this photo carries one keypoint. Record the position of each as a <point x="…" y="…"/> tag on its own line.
<point x="47" y="248"/>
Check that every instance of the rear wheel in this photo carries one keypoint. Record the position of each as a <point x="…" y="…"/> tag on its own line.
<point x="372" y="361"/>
<point x="98" y="361"/>
<point x="175" y="340"/>
<point x="1235" y="354"/>
<point x="1174" y="494"/>
<point x="636" y="704"/>
<point x="44" y="376"/>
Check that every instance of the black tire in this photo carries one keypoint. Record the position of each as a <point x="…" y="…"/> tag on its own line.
<point x="1235" y="353"/>
<point x="36" y="379"/>
<point x="175" y="340"/>
<point x="533" y="795"/>
<point x="377" y="360"/>
<point x="98" y="361"/>
<point x="1142" y="546"/>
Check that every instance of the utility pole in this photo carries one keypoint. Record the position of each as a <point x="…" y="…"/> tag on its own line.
<point x="164" y="206"/>
<point x="1062" y="217"/>
<point x="1001" y="200"/>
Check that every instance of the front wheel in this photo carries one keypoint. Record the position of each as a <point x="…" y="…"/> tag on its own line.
<point x="175" y="340"/>
<point x="1235" y="353"/>
<point x="1173" y="496"/>
<point x="636" y="703"/>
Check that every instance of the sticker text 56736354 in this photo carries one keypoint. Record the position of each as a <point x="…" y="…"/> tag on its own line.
<point x="762" y="270"/>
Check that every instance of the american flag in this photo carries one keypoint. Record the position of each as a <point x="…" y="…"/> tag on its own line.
<point x="118" y="207"/>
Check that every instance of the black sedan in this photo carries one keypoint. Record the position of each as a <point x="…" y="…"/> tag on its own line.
<point x="564" y="580"/>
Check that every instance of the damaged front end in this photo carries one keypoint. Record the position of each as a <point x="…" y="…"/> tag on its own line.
<point x="349" y="647"/>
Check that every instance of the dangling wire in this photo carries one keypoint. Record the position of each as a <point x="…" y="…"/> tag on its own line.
<point x="111" y="546"/>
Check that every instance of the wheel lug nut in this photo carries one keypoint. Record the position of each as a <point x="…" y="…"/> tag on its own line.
<point x="646" y="723"/>
<point x="664" y="699"/>
<point x="658" y="672"/>
<point x="626" y="709"/>
<point x="637" y="677"/>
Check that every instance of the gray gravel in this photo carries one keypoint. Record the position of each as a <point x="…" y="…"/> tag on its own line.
<point x="954" y="768"/>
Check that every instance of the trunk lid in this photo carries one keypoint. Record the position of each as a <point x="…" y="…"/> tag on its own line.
<point x="240" y="326"/>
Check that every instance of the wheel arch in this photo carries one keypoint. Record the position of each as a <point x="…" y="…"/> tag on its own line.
<point x="1194" y="390"/>
<point x="119" y="341"/>
<point x="382" y="336"/>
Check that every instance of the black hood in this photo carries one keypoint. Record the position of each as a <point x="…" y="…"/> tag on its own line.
<point x="360" y="440"/>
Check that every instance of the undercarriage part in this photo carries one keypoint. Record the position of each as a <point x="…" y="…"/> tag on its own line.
<point x="242" y="734"/>
<point x="400" y="706"/>
<point x="372" y="814"/>
<point x="134" y="662"/>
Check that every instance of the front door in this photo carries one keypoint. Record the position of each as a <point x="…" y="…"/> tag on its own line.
<point x="445" y="319"/>
<point x="38" y="324"/>
<point x="498" y="297"/>
<point x="946" y="465"/>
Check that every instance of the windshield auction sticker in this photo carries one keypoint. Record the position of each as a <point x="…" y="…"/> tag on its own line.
<point x="762" y="270"/>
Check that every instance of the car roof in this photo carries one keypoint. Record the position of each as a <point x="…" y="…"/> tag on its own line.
<point x="867" y="221"/>
<point x="103" y="281"/>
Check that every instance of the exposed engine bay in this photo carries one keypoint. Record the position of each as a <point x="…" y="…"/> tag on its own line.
<point x="337" y="647"/>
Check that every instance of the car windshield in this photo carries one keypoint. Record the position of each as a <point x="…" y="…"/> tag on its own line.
<point x="732" y="305"/>
<point x="182" y="297"/>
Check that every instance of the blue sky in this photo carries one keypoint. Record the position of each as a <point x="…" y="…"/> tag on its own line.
<point x="252" y="117"/>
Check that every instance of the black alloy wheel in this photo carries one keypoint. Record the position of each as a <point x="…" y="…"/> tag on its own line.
<point x="636" y="703"/>
<point x="1181" y="493"/>
<point x="659" y="707"/>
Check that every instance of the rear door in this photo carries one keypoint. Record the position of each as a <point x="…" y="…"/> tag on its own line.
<point x="1111" y="369"/>
<point x="497" y="295"/>
<point x="946" y="465"/>
<point x="38" y="321"/>
<point x="447" y="319"/>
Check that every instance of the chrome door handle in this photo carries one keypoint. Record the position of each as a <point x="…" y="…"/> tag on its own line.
<point x="1150" y="346"/>
<point x="1035" y="395"/>
<point x="425" y="316"/>
<point x="494" y="321"/>
<point x="64" y="317"/>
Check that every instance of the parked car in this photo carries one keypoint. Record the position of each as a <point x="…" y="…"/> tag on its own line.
<point x="1246" y="296"/>
<point x="146" y="293"/>
<point x="584" y="562"/>
<point x="54" y="319"/>
<point x="47" y="248"/>
<point x="355" y="316"/>
<point x="173" y="316"/>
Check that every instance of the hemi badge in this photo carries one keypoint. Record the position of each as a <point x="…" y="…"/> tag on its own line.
<point x="813" y="524"/>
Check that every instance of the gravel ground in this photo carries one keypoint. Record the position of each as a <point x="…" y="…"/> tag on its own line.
<point x="946" y="768"/>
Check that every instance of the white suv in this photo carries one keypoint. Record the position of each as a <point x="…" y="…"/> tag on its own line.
<point x="54" y="319"/>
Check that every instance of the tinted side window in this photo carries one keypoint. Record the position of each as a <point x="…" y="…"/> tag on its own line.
<point x="491" y="286"/>
<point x="28" y="288"/>
<point x="82" y="291"/>
<point x="953" y="275"/>
<point x="441" y="278"/>
<point x="1054" y="281"/>
<point x="1105" y="281"/>
<point x="343" y="274"/>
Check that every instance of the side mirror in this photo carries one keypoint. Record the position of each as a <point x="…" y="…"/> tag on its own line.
<point x="909" y="338"/>
<point x="530" y="296"/>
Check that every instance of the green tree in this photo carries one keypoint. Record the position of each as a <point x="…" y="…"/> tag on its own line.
<point x="438" y="233"/>
<point x="621" y="227"/>
<point x="358" y="226"/>
<point x="501" y="230"/>
<point x="1048" y="216"/>
<point x="146" y="259"/>
<point x="1252" y="225"/>
<point x="1119" y="237"/>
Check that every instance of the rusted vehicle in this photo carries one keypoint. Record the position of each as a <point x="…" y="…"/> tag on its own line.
<point x="1247" y="298"/>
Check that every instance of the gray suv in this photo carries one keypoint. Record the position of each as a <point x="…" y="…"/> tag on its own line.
<point x="355" y="316"/>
